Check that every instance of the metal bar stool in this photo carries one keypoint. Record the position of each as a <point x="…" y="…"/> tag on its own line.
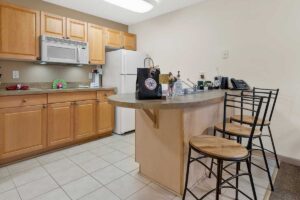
<point x="223" y="149"/>
<point x="248" y="119"/>
<point x="240" y="131"/>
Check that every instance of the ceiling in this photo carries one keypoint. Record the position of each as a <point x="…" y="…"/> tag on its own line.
<point x="100" y="8"/>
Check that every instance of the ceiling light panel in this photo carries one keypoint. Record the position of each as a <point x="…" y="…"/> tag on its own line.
<point x="138" y="6"/>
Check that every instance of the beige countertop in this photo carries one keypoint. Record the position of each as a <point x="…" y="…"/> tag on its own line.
<point x="191" y="100"/>
<point x="4" y="92"/>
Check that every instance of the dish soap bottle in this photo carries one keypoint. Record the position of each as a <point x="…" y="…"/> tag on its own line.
<point x="178" y="85"/>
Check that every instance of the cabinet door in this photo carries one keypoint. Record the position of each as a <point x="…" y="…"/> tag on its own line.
<point x="22" y="130"/>
<point x="60" y="123"/>
<point x="53" y="25"/>
<point x="96" y="44"/>
<point x="105" y="117"/>
<point x="19" y="33"/>
<point x="113" y="38"/>
<point x="84" y="113"/>
<point x="76" y="30"/>
<point x="129" y="41"/>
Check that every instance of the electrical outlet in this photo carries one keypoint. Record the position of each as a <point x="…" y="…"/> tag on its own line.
<point x="15" y="74"/>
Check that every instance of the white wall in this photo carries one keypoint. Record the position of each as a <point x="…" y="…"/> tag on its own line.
<point x="263" y="39"/>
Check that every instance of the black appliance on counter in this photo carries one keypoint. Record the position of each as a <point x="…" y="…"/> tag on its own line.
<point x="224" y="83"/>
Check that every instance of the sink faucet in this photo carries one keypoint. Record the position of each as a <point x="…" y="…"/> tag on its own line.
<point x="194" y="84"/>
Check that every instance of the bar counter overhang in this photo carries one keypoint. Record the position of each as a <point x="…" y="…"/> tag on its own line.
<point x="163" y="130"/>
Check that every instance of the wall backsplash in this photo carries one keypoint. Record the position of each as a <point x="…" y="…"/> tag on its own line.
<point x="33" y="72"/>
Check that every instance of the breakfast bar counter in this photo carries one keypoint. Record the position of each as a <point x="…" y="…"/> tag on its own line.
<point x="163" y="129"/>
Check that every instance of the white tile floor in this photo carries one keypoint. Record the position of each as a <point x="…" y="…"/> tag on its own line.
<point x="100" y="170"/>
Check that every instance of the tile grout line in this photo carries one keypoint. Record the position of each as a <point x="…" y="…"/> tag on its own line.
<point x="41" y="165"/>
<point x="59" y="186"/>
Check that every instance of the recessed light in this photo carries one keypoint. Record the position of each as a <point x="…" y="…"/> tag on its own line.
<point x="138" y="6"/>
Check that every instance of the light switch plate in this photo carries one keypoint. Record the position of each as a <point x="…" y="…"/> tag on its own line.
<point x="225" y="54"/>
<point x="15" y="74"/>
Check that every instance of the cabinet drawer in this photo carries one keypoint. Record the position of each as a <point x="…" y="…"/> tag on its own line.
<point x="71" y="96"/>
<point x="22" y="100"/>
<point x="102" y="95"/>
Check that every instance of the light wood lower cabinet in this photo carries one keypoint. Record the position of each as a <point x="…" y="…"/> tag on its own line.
<point x="22" y="130"/>
<point x="105" y="117"/>
<point x="60" y="123"/>
<point x="84" y="115"/>
<point x="32" y="124"/>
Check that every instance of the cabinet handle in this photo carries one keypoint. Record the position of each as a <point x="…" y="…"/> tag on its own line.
<point x="67" y="38"/>
<point x="44" y="106"/>
<point x="24" y="100"/>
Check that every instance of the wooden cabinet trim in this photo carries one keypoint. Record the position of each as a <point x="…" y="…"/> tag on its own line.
<point x="44" y="31"/>
<point x="18" y="55"/>
<point x="129" y="41"/>
<point x="84" y="119"/>
<point x="71" y="96"/>
<point x="113" y="42"/>
<point x="70" y="33"/>
<point x="16" y="140"/>
<point x="96" y="45"/>
<point x="66" y="128"/>
<point x="23" y="100"/>
<point x="102" y="95"/>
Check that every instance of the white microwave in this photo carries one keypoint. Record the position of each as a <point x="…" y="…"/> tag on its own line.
<point x="58" y="50"/>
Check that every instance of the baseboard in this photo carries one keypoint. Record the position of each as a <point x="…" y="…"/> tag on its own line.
<point x="288" y="160"/>
<point x="281" y="158"/>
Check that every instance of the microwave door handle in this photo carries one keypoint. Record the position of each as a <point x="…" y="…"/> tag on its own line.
<point x="78" y="55"/>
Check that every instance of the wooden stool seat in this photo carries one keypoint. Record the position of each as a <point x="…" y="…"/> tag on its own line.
<point x="248" y="119"/>
<point x="237" y="130"/>
<point x="219" y="148"/>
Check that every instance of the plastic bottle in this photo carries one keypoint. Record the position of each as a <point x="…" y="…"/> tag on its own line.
<point x="178" y="85"/>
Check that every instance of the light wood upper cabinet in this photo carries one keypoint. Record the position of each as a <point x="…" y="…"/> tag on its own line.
<point x="113" y="38"/>
<point x="129" y="41"/>
<point x="76" y="30"/>
<point x="19" y="33"/>
<point x="53" y="25"/>
<point x="22" y="130"/>
<point x="60" y="123"/>
<point x="84" y="115"/>
<point x="96" y="44"/>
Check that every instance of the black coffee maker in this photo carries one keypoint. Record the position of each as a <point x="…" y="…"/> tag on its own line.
<point x="224" y="83"/>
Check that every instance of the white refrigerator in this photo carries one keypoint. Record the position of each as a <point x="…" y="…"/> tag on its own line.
<point x="120" y="71"/>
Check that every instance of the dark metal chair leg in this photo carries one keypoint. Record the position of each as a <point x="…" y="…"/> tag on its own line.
<point x="274" y="149"/>
<point x="187" y="173"/>
<point x="239" y="140"/>
<point x="221" y="175"/>
<point x="212" y="160"/>
<point x="211" y="167"/>
<point x="237" y="181"/>
<point x="251" y="179"/>
<point x="219" y="179"/>
<point x="266" y="163"/>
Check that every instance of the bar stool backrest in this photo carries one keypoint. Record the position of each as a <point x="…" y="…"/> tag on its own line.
<point x="245" y="103"/>
<point x="273" y="99"/>
<point x="267" y="97"/>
